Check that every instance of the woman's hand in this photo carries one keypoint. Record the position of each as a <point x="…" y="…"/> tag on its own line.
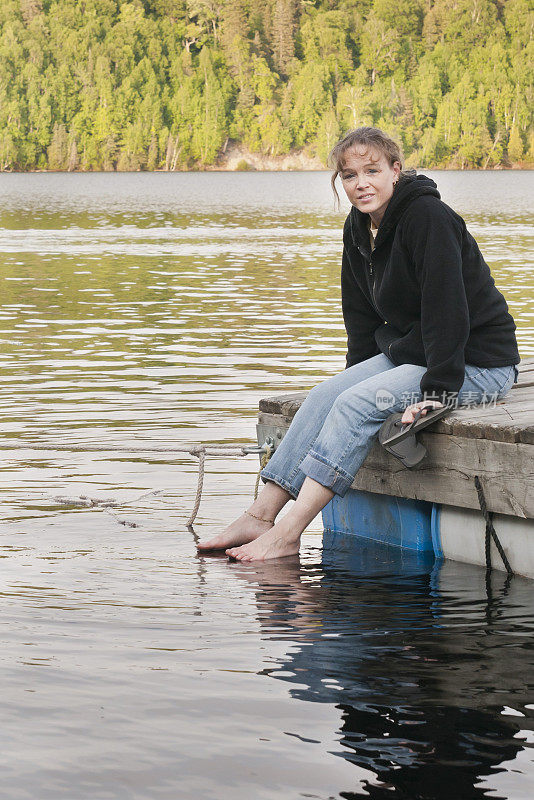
<point x="411" y="411"/>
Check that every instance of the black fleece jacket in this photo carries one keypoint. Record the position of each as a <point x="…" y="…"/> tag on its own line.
<point x="424" y="295"/>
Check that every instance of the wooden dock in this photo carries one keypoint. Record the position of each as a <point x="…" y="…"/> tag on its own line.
<point x="492" y="442"/>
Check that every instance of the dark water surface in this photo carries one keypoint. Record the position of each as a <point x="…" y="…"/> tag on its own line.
<point x="155" y="310"/>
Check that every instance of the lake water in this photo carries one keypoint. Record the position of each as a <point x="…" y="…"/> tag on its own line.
<point x="155" y="310"/>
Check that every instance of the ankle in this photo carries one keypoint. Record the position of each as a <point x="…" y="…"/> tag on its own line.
<point x="300" y="518"/>
<point x="262" y="510"/>
<point x="258" y="517"/>
<point x="290" y="528"/>
<point x="270" y="501"/>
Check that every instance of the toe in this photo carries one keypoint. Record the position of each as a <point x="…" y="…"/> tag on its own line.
<point x="211" y="544"/>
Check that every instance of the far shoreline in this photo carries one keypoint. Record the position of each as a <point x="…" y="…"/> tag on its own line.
<point x="513" y="168"/>
<point x="236" y="157"/>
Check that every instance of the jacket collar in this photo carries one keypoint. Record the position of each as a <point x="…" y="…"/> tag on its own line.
<point x="407" y="189"/>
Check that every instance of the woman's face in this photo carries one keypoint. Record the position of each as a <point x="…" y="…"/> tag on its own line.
<point x="368" y="180"/>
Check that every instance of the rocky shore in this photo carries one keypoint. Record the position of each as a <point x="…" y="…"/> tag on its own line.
<point x="236" y="157"/>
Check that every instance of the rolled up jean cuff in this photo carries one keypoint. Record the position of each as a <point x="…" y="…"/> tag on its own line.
<point x="322" y="470"/>
<point x="270" y="476"/>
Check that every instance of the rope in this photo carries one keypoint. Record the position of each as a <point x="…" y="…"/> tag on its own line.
<point x="490" y="531"/>
<point x="193" y="450"/>
<point x="263" y="463"/>
<point x="200" y="485"/>
<point x="200" y="451"/>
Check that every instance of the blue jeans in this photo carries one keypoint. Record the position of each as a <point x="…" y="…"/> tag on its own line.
<point x="334" y="429"/>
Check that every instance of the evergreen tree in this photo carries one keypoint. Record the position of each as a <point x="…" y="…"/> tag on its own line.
<point x="283" y="34"/>
<point x="515" y="145"/>
<point x="58" y="149"/>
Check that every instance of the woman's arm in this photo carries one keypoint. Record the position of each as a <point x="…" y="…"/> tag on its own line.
<point x="433" y="237"/>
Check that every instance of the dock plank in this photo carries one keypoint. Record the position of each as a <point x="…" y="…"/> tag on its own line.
<point x="285" y="404"/>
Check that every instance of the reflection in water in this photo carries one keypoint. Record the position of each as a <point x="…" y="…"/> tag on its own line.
<point x="432" y="678"/>
<point x="147" y="310"/>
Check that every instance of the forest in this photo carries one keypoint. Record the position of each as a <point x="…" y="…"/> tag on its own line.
<point x="166" y="84"/>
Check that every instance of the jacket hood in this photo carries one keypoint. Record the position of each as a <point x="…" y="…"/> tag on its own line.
<point x="409" y="187"/>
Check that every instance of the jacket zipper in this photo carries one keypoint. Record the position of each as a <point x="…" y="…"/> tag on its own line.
<point x="373" y="281"/>
<point x="372" y="275"/>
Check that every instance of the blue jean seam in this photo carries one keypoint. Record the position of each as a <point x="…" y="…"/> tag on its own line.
<point x="334" y="481"/>
<point x="270" y="476"/>
<point x="512" y="367"/>
<point x="340" y="472"/>
<point x="485" y="369"/>
<point x="294" y="472"/>
<point x="500" y="389"/>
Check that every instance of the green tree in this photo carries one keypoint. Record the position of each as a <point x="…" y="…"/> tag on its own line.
<point x="380" y="47"/>
<point x="210" y="128"/>
<point x="309" y="95"/>
<point x="465" y="22"/>
<point x="284" y="27"/>
<point x="328" y="133"/>
<point x="58" y="149"/>
<point x="354" y="106"/>
<point x="515" y="145"/>
<point x="173" y="9"/>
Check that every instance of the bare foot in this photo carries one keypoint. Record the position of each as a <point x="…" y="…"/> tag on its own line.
<point x="242" y="531"/>
<point x="279" y="542"/>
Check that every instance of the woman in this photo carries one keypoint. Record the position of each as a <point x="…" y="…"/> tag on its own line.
<point x="424" y="321"/>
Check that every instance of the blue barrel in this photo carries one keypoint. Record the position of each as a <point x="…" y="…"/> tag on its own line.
<point x="392" y="520"/>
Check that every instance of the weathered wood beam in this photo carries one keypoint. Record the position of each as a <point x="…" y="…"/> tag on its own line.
<point x="446" y="475"/>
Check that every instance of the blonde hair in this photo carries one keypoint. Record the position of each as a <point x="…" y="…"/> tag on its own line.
<point x="363" y="137"/>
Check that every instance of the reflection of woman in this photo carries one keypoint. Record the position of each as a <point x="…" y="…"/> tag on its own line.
<point x="424" y="321"/>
